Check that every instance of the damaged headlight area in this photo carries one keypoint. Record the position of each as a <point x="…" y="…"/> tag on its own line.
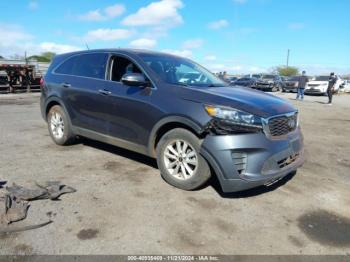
<point x="229" y="120"/>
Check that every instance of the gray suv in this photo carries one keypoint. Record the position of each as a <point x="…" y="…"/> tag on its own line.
<point x="196" y="127"/>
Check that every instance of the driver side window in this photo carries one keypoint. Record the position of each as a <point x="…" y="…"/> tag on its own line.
<point x="120" y="66"/>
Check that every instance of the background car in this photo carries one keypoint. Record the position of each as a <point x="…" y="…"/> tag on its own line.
<point x="345" y="86"/>
<point x="269" y="83"/>
<point x="290" y="84"/>
<point x="319" y="84"/>
<point x="245" y="81"/>
<point x="231" y="79"/>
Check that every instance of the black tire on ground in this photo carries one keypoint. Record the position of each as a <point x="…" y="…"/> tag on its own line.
<point x="68" y="136"/>
<point x="202" y="171"/>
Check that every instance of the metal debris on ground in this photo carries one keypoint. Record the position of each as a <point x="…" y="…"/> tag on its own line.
<point x="17" y="198"/>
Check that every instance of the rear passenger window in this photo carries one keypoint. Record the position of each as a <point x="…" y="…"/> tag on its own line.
<point x="88" y="65"/>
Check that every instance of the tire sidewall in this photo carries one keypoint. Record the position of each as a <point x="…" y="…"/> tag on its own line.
<point x="202" y="173"/>
<point x="67" y="134"/>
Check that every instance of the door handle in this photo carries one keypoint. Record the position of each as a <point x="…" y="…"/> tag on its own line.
<point x="66" y="85"/>
<point x="104" y="92"/>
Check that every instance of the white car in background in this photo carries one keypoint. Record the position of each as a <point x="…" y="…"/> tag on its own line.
<point x="345" y="87"/>
<point x="319" y="85"/>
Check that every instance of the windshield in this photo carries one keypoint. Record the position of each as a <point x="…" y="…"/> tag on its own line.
<point x="268" y="77"/>
<point x="293" y="78"/>
<point x="321" y="78"/>
<point x="181" y="71"/>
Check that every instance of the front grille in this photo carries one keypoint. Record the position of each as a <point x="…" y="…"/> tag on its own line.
<point x="240" y="162"/>
<point x="263" y="84"/>
<point x="282" y="125"/>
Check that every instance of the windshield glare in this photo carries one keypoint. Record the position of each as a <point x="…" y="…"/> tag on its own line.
<point x="181" y="71"/>
<point x="321" y="78"/>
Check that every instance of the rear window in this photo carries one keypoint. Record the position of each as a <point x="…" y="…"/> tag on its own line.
<point x="87" y="65"/>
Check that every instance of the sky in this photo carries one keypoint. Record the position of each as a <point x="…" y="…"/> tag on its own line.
<point x="237" y="36"/>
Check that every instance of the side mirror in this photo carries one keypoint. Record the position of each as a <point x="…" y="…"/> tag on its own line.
<point x="134" y="79"/>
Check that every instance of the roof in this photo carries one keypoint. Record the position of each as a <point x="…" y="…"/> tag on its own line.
<point x="126" y="51"/>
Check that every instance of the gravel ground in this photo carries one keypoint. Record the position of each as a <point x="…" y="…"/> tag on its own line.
<point x="122" y="206"/>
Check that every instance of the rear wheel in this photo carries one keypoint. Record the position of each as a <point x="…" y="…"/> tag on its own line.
<point x="59" y="127"/>
<point x="179" y="160"/>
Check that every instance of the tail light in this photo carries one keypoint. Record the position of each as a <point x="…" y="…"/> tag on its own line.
<point x="42" y="82"/>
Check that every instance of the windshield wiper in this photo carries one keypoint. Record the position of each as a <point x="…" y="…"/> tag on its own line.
<point x="180" y="84"/>
<point x="213" y="85"/>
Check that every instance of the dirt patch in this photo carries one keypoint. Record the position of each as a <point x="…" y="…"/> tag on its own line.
<point x="224" y="226"/>
<point x="188" y="241"/>
<point x="142" y="169"/>
<point x="203" y="203"/>
<point x="5" y="102"/>
<point x="86" y="234"/>
<point x="344" y="162"/>
<point x="112" y="166"/>
<point x="326" y="228"/>
<point x="23" y="249"/>
<point x="296" y="241"/>
<point x="140" y="195"/>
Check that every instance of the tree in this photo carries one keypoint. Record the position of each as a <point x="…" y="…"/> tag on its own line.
<point x="48" y="55"/>
<point x="43" y="57"/>
<point x="39" y="58"/>
<point x="1" y="57"/>
<point x="287" y="71"/>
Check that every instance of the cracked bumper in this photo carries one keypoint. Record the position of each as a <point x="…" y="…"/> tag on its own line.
<point x="245" y="161"/>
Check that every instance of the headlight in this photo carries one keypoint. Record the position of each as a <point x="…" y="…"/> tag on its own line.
<point x="234" y="116"/>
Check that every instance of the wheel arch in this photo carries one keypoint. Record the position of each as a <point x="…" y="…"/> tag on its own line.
<point x="168" y="123"/>
<point x="52" y="101"/>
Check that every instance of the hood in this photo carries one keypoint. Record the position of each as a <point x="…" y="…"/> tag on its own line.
<point x="265" y="81"/>
<point x="241" y="98"/>
<point x="317" y="82"/>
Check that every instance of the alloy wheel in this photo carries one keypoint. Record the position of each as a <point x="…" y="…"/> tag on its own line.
<point x="181" y="159"/>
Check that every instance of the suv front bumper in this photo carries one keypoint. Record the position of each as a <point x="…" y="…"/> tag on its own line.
<point x="245" y="161"/>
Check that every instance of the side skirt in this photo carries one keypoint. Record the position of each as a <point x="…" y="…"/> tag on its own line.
<point x="110" y="140"/>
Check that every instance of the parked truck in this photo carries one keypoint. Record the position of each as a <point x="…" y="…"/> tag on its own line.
<point x="21" y="75"/>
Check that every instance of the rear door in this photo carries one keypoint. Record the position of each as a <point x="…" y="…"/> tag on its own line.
<point x="81" y="79"/>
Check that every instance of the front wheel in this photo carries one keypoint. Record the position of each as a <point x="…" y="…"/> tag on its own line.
<point x="179" y="160"/>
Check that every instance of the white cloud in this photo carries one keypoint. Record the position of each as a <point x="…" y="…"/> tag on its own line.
<point x="163" y="13"/>
<point x="13" y="33"/>
<point x="192" y="43"/>
<point x="57" y="48"/>
<point x="218" y="24"/>
<point x="239" y="1"/>
<point x="114" y="10"/>
<point x="143" y="43"/>
<point x="33" y="5"/>
<point x="102" y="15"/>
<point x="18" y="42"/>
<point x="210" y="58"/>
<point x="296" y="26"/>
<point x="94" y="15"/>
<point x="183" y="53"/>
<point x="107" y="34"/>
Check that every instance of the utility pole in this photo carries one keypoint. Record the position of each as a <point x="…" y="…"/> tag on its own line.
<point x="288" y="58"/>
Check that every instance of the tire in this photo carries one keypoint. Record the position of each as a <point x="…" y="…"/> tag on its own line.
<point x="59" y="126"/>
<point x="190" y="160"/>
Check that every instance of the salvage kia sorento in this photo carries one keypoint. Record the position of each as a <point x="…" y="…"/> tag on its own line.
<point x="176" y="111"/>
